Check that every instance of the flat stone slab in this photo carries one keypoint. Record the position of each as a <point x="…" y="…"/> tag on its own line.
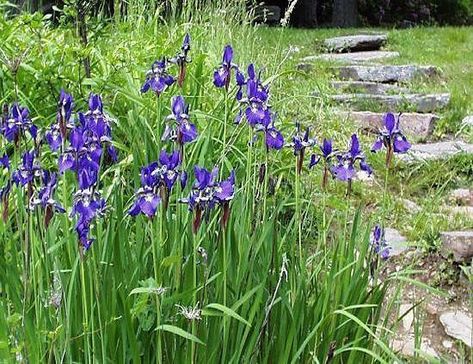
<point x="354" y="58"/>
<point x="462" y="196"/>
<point x="414" y="125"/>
<point x="458" y="324"/>
<point x="386" y="74"/>
<point x="418" y="102"/>
<point x="396" y="241"/>
<point x="460" y="243"/>
<point x="359" y="42"/>
<point x="368" y="87"/>
<point x="437" y="151"/>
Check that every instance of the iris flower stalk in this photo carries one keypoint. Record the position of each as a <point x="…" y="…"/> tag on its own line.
<point x="395" y="142"/>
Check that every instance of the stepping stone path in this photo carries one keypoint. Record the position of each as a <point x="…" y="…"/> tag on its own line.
<point x="460" y="243"/>
<point x="354" y="43"/>
<point x="413" y="124"/>
<point x="361" y="85"/>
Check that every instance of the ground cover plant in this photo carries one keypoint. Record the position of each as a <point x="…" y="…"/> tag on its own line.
<point x="187" y="202"/>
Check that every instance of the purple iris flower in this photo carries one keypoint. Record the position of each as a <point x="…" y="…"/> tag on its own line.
<point x="257" y="110"/>
<point x="5" y="161"/>
<point x="345" y="169"/>
<point x="87" y="206"/>
<point x="79" y="151"/>
<point x="158" y="79"/>
<point x="54" y="137"/>
<point x="223" y="74"/>
<point x="147" y="198"/>
<point x="147" y="201"/>
<point x="45" y="197"/>
<point x="17" y="123"/>
<point x="272" y="136"/>
<point x="391" y="138"/>
<point x="326" y="154"/>
<point x="157" y="181"/>
<point x="181" y="59"/>
<point x="64" y="112"/>
<point x="379" y="244"/>
<point x="300" y="142"/>
<point x="57" y="132"/>
<point x="207" y="193"/>
<point x="28" y="169"/>
<point x="183" y="131"/>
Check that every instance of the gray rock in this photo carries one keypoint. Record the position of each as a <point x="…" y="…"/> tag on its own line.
<point x="359" y="42"/>
<point x="468" y="121"/>
<point x="406" y="310"/>
<point x="406" y="346"/>
<point x="421" y="103"/>
<point x="305" y="67"/>
<point x="436" y="151"/>
<point x="458" y="325"/>
<point x="353" y="58"/>
<point x="462" y="196"/>
<point x="410" y="206"/>
<point x="414" y="125"/>
<point x="386" y="74"/>
<point x="460" y="243"/>
<point x="367" y="87"/>
<point x="396" y="241"/>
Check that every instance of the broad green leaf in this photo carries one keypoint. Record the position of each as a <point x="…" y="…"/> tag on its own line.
<point x="180" y="332"/>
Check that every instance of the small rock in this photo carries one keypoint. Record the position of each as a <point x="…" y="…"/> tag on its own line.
<point x="462" y="196"/>
<point x="447" y="344"/>
<point x="305" y="67"/>
<point x="460" y="243"/>
<point x="353" y="58"/>
<point x="396" y="241"/>
<point x="408" y="319"/>
<point x="360" y="42"/>
<point x="410" y="206"/>
<point x="458" y="325"/>
<point x="387" y="74"/>
<point x="421" y="103"/>
<point x="468" y="121"/>
<point x="414" y="125"/>
<point x="407" y="347"/>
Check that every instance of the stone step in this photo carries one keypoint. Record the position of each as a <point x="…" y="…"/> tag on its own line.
<point x="386" y="73"/>
<point x="359" y="42"/>
<point x="413" y="125"/>
<point x="354" y="58"/>
<point x="437" y="151"/>
<point x="367" y="87"/>
<point x="417" y="102"/>
<point x="460" y="243"/>
<point x="459" y="325"/>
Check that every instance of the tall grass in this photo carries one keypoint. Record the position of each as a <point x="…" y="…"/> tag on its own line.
<point x="288" y="280"/>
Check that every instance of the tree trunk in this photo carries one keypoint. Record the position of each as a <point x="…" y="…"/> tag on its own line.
<point x="305" y="14"/>
<point x="345" y="13"/>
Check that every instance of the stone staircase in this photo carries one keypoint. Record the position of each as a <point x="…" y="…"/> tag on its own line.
<point x="362" y="85"/>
